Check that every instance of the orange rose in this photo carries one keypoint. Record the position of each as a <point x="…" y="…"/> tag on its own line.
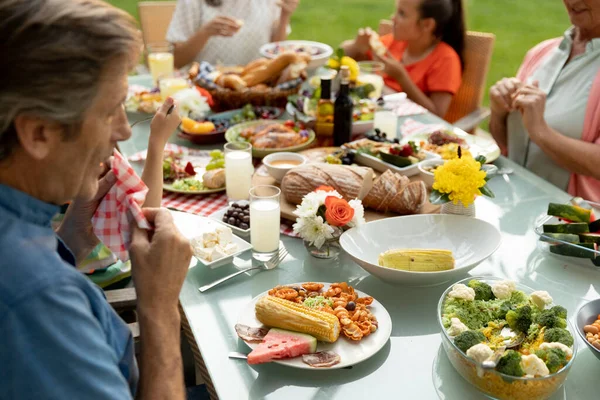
<point x="325" y="188"/>
<point x="337" y="211"/>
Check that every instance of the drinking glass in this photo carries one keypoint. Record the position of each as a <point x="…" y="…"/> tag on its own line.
<point x="386" y="121"/>
<point x="265" y="220"/>
<point x="372" y="72"/>
<point x="170" y="86"/>
<point x="238" y="170"/>
<point x="160" y="60"/>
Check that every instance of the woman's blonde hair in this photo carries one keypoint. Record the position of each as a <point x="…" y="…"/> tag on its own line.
<point x="52" y="56"/>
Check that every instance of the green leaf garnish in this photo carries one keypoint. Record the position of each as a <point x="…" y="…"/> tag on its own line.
<point x="437" y="197"/>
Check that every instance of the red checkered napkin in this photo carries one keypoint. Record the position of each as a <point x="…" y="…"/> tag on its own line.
<point x="411" y="127"/>
<point x="120" y="208"/>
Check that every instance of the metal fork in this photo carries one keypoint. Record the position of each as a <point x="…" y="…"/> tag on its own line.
<point x="149" y="118"/>
<point x="272" y="263"/>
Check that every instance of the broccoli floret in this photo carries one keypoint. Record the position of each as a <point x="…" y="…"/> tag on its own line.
<point x="559" y="335"/>
<point x="555" y="359"/>
<point x="504" y="308"/>
<point x="517" y="298"/>
<point x="510" y="364"/>
<point x="467" y="339"/>
<point x="519" y="319"/>
<point x="559" y="311"/>
<point x="483" y="291"/>
<point x="549" y="319"/>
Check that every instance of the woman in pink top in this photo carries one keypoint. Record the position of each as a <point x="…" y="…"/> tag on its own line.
<point x="548" y="117"/>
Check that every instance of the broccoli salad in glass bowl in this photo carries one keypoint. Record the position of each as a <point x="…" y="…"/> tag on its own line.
<point x="505" y="338"/>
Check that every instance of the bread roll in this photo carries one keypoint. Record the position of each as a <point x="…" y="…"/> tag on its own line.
<point x="292" y="71"/>
<point x="349" y="181"/>
<point x="252" y="65"/>
<point x="232" y="69"/>
<point x="270" y="70"/>
<point x="231" y="81"/>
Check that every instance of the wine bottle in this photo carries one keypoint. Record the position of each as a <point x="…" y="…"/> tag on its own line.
<point x="343" y="108"/>
<point x="324" y="126"/>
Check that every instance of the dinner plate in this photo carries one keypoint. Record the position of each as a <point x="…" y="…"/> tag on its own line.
<point x="233" y="133"/>
<point x="351" y="353"/>
<point x="478" y="145"/>
<point x="191" y="226"/>
<point x="195" y="160"/>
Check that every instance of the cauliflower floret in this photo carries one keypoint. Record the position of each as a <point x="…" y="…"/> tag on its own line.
<point x="541" y="298"/>
<point x="480" y="352"/>
<point x="557" y="345"/>
<point x="456" y="327"/>
<point x="460" y="291"/>
<point x="534" y="366"/>
<point x="503" y="289"/>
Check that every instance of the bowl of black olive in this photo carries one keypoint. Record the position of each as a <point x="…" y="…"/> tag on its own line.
<point x="236" y="216"/>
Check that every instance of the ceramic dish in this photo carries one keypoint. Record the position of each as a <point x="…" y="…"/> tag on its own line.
<point x="379" y="165"/>
<point x="351" y="353"/>
<point x="426" y="175"/>
<point x="200" y="170"/>
<point x="593" y="259"/>
<point x="471" y="241"/>
<point x="320" y="52"/>
<point x="493" y="383"/>
<point x="233" y="133"/>
<point x="478" y="145"/>
<point x="586" y="315"/>
<point x="218" y="216"/>
<point x="191" y="226"/>
<point x="279" y="171"/>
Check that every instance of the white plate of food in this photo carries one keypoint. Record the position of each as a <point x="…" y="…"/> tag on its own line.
<point x="200" y="230"/>
<point x="319" y="52"/>
<point x="445" y="143"/>
<point x="350" y="352"/>
<point x="194" y="174"/>
<point x="225" y="214"/>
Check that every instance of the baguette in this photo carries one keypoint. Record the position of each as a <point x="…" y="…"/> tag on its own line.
<point x="252" y="65"/>
<point x="292" y="71"/>
<point x="351" y="182"/>
<point x="270" y="70"/>
<point x="231" y="81"/>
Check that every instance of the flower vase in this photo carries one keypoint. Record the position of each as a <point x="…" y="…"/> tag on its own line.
<point x="330" y="249"/>
<point x="458" y="209"/>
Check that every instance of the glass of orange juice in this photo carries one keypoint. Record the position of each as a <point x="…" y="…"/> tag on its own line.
<point x="160" y="60"/>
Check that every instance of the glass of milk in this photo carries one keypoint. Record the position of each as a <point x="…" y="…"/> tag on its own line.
<point x="160" y="61"/>
<point x="238" y="170"/>
<point x="265" y="219"/>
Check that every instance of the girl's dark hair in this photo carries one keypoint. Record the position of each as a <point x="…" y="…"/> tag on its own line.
<point x="214" y="3"/>
<point x="449" y="22"/>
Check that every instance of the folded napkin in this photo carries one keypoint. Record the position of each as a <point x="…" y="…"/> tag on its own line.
<point x="411" y="127"/>
<point x="407" y="107"/>
<point x="120" y="208"/>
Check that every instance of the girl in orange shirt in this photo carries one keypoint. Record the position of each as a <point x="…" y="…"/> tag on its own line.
<point x="423" y="56"/>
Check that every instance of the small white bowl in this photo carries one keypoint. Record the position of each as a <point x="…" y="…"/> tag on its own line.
<point x="278" y="172"/>
<point x="427" y="176"/>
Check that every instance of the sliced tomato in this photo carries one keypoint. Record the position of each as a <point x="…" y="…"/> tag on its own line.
<point x="189" y="169"/>
<point x="289" y="123"/>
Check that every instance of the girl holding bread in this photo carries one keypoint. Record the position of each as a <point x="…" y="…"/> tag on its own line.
<point x="228" y="32"/>
<point x="423" y="55"/>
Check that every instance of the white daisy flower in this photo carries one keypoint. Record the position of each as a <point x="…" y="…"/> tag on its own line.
<point x="316" y="231"/>
<point x="359" y="213"/>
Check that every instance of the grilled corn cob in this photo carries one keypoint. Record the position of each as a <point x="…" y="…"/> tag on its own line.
<point x="417" y="260"/>
<point x="279" y="313"/>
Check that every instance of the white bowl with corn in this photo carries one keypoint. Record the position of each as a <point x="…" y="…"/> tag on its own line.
<point x="421" y="250"/>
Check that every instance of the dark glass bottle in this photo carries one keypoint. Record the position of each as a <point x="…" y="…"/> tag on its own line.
<point x="342" y="111"/>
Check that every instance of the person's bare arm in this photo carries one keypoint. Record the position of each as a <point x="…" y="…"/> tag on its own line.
<point x="280" y="28"/>
<point x="160" y="261"/>
<point x="161" y="128"/>
<point x="498" y="129"/>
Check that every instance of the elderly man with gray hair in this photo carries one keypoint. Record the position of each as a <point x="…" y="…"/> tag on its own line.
<point x="64" y="71"/>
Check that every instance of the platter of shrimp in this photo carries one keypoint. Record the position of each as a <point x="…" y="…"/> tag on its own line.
<point x="349" y="326"/>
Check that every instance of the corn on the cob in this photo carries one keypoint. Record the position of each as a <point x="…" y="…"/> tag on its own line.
<point x="279" y="313"/>
<point x="417" y="260"/>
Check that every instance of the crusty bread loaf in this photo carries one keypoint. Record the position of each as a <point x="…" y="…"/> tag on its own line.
<point x="252" y="65"/>
<point x="351" y="182"/>
<point x="396" y="193"/>
<point x="231" y="81"/>
<point x="270" y="70"/>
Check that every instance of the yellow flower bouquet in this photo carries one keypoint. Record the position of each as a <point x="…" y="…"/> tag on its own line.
<point x="460" y="180"/>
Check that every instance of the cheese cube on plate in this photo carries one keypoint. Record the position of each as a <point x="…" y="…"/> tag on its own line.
<point x="224" y="235"/>
<point x="229" y="248"/>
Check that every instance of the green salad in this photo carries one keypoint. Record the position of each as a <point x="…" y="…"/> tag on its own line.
<point x="188" y="185"/>
<point x="526" y="331"/>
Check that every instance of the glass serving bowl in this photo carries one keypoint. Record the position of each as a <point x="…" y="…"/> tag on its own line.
<point x="495" y="384"/>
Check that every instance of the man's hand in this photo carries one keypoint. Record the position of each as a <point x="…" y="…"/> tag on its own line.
<point x="288" y="6"/>
<point x="163" y="125"/>
<point x="222" y="25"/>
<point x="530" y="100"/>
<point x="160" y="260"/>
<point x="501" y="95"/>
<point x="76" y="229"/>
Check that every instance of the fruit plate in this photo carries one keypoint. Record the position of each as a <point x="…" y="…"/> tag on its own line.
<point x="233" y="135"/>
<point x="351" y="353"/>
<point x="593" y="256"/>
<point x="478" y="145"/>
<point x="379" y="165"/>
<point x="203" y="138"/>
<point x="218" y="216"/>
<point x="191" y="226"/>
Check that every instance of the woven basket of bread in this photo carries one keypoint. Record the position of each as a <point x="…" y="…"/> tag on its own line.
<point x="262" y="82"/>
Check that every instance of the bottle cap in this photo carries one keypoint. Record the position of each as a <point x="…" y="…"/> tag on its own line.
<point x="345" y="73"/>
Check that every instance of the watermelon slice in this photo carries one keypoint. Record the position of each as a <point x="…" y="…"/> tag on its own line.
<point x="279" y="343"/>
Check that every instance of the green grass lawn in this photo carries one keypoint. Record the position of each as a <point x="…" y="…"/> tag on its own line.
<point x="517" y="24"/>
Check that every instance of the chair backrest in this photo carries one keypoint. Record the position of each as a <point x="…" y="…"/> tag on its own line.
<point x="155" y="17"/>
<point x="477" y="56"/>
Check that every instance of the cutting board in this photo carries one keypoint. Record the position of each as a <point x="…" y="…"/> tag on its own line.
<point x="262" y="177"/>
